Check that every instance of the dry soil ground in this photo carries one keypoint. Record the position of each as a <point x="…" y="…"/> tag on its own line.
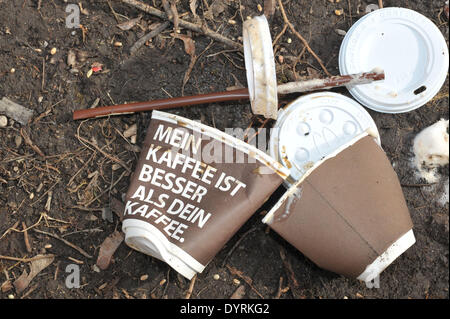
<point x="75" y="175"/>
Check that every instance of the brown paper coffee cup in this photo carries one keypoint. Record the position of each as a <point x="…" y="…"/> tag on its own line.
<point x="193" y="188"/>
<point x="347" y="213"/>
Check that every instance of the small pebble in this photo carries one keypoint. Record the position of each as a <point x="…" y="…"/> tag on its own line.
<point x="12" y="70"/>
<point x="133" y="139"/>
<point x="31" y="196"/>
<point x="144" y="277"/>
<point x="117" y="44"/>
<point x="340" y="32"/>
<point x="53" y="51"/>
<point x="40" y="99"/>
<point x="216" y="277"/>
<point x="236" y="282"/>
<point x="15" y="169"/>
<point x="338" y="12"/>
<point x="289" y="40"/>
<point x="280" y="59"/>
<point x="95" y="268"/>
<point x="10" y="296"/>
<point x="3" y="121"/>
<point x="260" y="9"/>
<point x="48" y="246"/>
<point x="231" y="21"/>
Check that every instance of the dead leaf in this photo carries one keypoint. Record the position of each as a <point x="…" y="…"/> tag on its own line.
<point x="117" y="207"/>
<point x="189" y="45"/>
<point x="36" y="266"/>
<point x="108" y="248"/>
<point x="269" y="8"/>
<point x="127" y="25"/>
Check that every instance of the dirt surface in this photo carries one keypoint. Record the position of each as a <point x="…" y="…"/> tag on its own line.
<point x="83" y="177"/>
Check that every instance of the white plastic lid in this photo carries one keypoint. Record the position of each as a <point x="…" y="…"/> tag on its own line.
<point x="260" y="67"/>
<point x="314" y="126"/>
<point x="408" y="47"/>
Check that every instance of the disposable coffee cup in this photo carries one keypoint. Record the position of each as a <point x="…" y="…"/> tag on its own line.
<point x="347" y="212"/>
<point x="410" y="49"/>
<point x="315" y="125"/>
<point x="193" y="188"/>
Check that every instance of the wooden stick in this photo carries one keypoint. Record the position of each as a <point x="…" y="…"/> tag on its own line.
<point x="185" y="24"/>
<point x="298" y="35"/>
<point x="148" y="36"/>
<point x="68" y="243"/>
<point x="331" y="82"/>
<point x="240" y="94"/>
<point x="380" y="4"/>
<point x="26" y="260"/>
<point x="25" y="237"/>
<point x="191" y="288"/>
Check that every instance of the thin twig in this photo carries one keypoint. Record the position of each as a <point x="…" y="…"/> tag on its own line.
<point x="113" y="12"/>
<point x="25" y="260"/>
<point x="191" y="288"/>
<point x="247" y="279"/>
<point x="25" y="237"/>
<point x="139" y="43"/>
<point x="30" y="143"/>
<point x="203" y="29"/>
<point x="380" y="4"/>
<point x="298" y="35"/>
<point x="237" y="244"/>
<point x="114" y="159"/>
<point x="106" y="190"/>
<point x="292" y="280"/>
<point x="280" y="35"/>
<point x="68" y="243"/>
<point x="176" y="18"/>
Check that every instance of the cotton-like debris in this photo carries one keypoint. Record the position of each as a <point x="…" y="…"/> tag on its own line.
<point x="431" y="149"/>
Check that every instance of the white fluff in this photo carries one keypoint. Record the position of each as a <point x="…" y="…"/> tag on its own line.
<point x="431" y="150"/>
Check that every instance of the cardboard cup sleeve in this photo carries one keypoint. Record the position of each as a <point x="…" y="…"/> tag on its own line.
<point x="193" y="188"/>
<point x="347" y="213"/>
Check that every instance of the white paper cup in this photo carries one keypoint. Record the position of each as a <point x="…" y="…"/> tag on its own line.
<point x="408" y="47"/>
